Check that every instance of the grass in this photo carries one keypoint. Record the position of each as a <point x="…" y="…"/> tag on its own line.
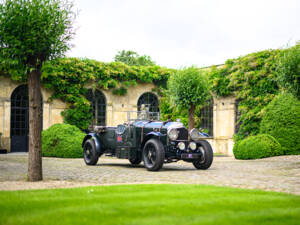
<point x="148" y="204"/>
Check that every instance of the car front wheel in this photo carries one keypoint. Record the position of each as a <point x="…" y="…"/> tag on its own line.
<point x="90" y="154"/>
<point x="206" y="156"/>
<point x="153" y="155"/>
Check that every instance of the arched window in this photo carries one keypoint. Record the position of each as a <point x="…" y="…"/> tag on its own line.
<point x="19" y="119"/>
<point x="98" y="107"/>
<point x="206" y="115"/>
<point x="237" y="117"/>
<point x="149" y="100"/>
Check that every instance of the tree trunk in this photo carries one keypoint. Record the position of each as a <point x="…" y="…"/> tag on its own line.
<point x="191" y="116"/>
<point x="35" y="172"/>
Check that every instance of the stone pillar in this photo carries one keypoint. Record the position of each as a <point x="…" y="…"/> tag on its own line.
<point x="109" y="114"/>
<point x="46" y="116"/>
<point x="6" y="126"/>
<point x="224" y="124"/>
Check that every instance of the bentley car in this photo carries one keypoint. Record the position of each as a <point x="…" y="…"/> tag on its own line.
<point x="152" y="141"/>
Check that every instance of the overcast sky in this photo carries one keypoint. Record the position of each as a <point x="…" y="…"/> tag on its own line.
<point x="177" y="33"/>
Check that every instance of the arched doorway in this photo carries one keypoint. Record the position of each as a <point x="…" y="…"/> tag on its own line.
<point x="98" y="106"/>
<point x="150" y="100"/>
<point x="19" y="119"/>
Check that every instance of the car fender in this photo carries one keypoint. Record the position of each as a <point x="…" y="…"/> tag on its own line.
<point x="151" y="135"/>
<point x="96" y="141"/>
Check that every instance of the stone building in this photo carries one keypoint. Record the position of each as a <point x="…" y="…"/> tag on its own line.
<point x="108" y="109"/>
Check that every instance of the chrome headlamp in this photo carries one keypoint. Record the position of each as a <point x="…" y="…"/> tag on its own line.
<point x="181" y="146"/>
<point x="173" y="134"/>
<point x="193" y="146"/>
<point x="195" y="134"/>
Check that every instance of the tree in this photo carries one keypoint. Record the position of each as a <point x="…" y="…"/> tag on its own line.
<point x="32" y="32"/>
<point x="288" y="70"/>
<point x="187" y="88"/>
<point x="131" y="58"/>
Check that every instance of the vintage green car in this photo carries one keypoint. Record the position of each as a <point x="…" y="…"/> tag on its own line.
<point x="150" y="141"/>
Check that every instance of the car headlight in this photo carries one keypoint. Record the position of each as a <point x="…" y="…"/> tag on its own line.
<point x="181" y="145"/>
<point x="195" y="134"/>
<point x="173" y="134"/>
<point x="193" y="146"/>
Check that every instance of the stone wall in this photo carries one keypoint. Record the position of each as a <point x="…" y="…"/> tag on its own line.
<point x="51" y="109"/>
<point x="116" y="107"/>
<point x="116" y="113"/>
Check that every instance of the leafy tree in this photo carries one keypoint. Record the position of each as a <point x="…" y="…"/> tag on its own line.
<point x="187" y="88"/>
<point x="32" y="32"/>
<point x="288" y="70"/>
<point x="131" y="58"/>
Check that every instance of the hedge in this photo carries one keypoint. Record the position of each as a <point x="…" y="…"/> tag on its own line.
<point x="62" y="140"/>
<point x="281" y="119"/>
<point x="256" y="147"/>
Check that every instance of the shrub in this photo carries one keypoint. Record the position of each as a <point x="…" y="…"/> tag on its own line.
<point x="62" y="140"/>
<point x="281" y="119"/>
<point x="256" y="147"/>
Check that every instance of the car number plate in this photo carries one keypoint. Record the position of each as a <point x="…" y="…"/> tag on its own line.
<point x="189" y="156"/>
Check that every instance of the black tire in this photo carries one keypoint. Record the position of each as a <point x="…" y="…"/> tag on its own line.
<point x="90" y="154"/>
<point x="153" y="155"/>
<point x="207" y="158"/>
<point x="137" y="159"/>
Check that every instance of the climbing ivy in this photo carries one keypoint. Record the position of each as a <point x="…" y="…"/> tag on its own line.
<point x="252" y="80"/>
<point x="68" y="78"/>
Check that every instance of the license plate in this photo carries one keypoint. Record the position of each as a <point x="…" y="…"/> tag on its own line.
<point x="190" y="156"/>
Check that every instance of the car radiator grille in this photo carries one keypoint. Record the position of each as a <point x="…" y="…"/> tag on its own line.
<point x="183" y="134"/>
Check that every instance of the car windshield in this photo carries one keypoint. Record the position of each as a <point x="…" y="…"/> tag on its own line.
<point x="142" y="115"/>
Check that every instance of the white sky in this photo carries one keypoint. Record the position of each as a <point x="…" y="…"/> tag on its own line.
<point x="177" y="33"/>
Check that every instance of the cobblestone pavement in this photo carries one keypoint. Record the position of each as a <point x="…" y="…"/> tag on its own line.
<point x="278" y="173"/>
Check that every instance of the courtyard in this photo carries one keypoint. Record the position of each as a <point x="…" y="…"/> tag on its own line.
<point x="272" y="174"/>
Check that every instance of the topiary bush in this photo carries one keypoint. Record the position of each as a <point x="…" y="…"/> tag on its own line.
<point x="281" y="119"/>
<point x="256" y="147"/>
<point x="63" y="141"/>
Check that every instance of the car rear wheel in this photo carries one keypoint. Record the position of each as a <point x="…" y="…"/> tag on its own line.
<point x="153" y="155"/>
<point x="90" y="154"/>
<point x="137" y="159"/>
<point x="206" y="158"/>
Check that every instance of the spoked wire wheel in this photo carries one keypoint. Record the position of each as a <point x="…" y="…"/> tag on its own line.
<point x="153" y="155"/>
<point x="206" y="156"/>
<point x="90" y="154"/>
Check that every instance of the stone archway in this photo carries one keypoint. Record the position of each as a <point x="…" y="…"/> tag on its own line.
<point x="98" y="106"/>
<point x="150" y="100"/>
<point x="19" y="119"/>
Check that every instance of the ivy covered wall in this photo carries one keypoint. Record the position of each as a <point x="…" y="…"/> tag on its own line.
<point x="252" y="79"/>
<point x="68" y="78"/>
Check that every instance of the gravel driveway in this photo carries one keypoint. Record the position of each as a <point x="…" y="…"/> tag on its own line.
<point x="278" y="173"/>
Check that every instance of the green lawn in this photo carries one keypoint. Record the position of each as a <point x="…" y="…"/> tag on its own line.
<point x="148" y="204"/>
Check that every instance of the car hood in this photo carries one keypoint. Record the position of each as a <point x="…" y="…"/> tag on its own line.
<point x="158" y="124"/>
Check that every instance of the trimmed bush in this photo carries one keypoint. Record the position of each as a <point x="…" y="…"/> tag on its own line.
<point x="281" y="119"/>
<point x="63" y="141"/>
<point x="256" y="147"/>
